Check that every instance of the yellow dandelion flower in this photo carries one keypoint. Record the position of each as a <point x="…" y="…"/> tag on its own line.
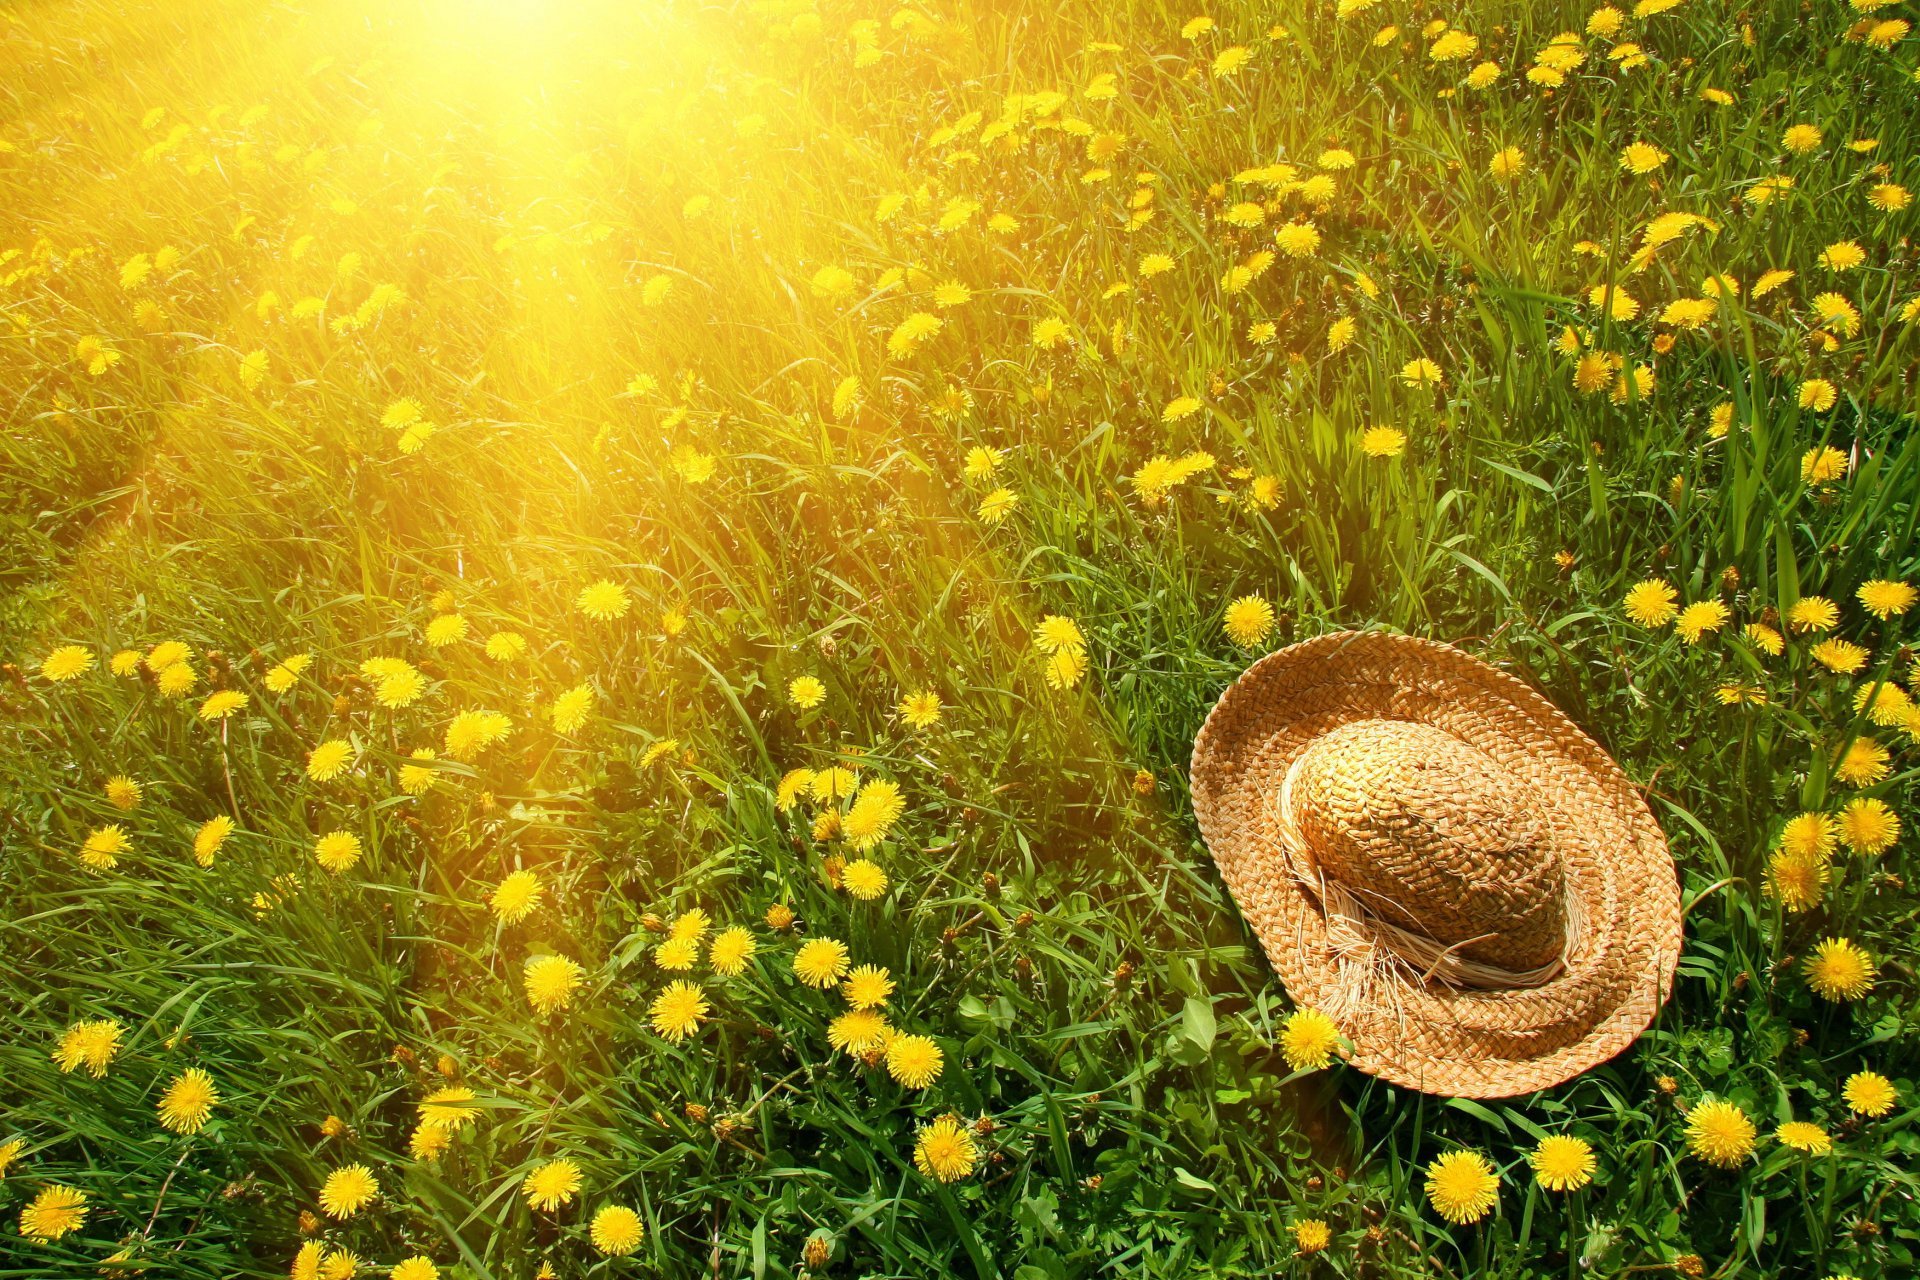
<point x="858" y="1032"/>
<point x="1562" y="1162"/>
<point x="505" y="646"/>
<point x="1809" y="835"/>
<point x="348" y="1190"/>
<point x="123" y="792"/>
<point x="472" y="732"/>
<point x="1065" y="667"/>
<point x="1641" y="158"/>
<point x="66" y="663"/>
<point x="515" y="897"/>
<point x="1697" y="619"/>
<point x="616" y="1230"/>
<point x="1311" y="1236"/>
<point x="222" y="703"/>
<point x="914" y="1061"/>
<point x="1887" y="705"/>
<point x="552" y="1185"/>
<point x="337" y="851"/>
<point x="103" y="846"/>
<point x="864" y="879"/>
<point x="1765" y="638"/>
<point x="945" y="1150"/>
<point x="211" y="835"/>
<point x="821" y="962"/>
<point x="998" y="505"/>
<point x="448" y="628"/>
<point x="92" y="1044"/>
<point x="1297" y="239"/>
<point x="1309" y="1039"/>
<point x="1868" y="1093"/>
<point x="1863" y="763"/>
<point x="1383" y="442"/>
<point x="447" y="1109"/>
<point x="1837" y="655"/>
<point x="550" y="982"/>
<point x="677" y="955"/>
<point x="678" y="1010"/>
<point x="1651" y="603"/>
<point x="730" y="951"/>
<point x="1248" y="621"/>
<point x="571" y="710"/>
<point x="188" y="1101"/>
<point x="873" y="812"/>
<point x="1813" y="613"/>
<point x="1720" y="1133"/>
<point x="1840" y="969"/>
<point x="1803" y="1136"/>
<point x="806" y="692"/>
<point x="1801" y="138"/>
<point x="868" y="987"/>
<point x="920" y="710"/>
<point x="418" y="778"/>
<point x="603" y="601"/>
<point x="1868" y="826"/>
<point x="1842" y="255"/>
<point x="1462" y="1186"/>
<point x="1884" y="598"/>
<point x="1796" y="881"/>
<point x="285" y="674"/>
<point x="53" y="1212"/>
<point x="1421" y="372"/>
<point x="329" y="760"/>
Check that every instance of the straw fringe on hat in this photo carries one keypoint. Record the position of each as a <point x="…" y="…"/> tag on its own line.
<point x="1438" y="860"/>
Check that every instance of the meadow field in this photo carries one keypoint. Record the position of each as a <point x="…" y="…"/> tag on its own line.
<point x="605" y="605"/>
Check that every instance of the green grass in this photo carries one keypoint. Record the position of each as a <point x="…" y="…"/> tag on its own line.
<point x="1059" y="931"/>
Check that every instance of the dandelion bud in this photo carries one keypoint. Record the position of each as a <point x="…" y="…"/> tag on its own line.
<point x="990" y="885"/>
<point x="652" y="923"/>
<point x="818" y="1251"/>
<point x="696" y="1113"/>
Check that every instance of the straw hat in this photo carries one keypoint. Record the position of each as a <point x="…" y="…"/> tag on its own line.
<point x="1438" y="860"/>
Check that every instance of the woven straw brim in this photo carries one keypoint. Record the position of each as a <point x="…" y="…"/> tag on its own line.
<point x="1458" y="1041"/>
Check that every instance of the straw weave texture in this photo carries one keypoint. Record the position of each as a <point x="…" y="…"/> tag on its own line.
<point x="1439" y="860"/>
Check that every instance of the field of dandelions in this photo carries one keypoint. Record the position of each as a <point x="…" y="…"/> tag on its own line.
<point x="604" y="606"/>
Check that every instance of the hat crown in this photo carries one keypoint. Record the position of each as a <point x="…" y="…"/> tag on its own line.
<point x="1436" y="837"/>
